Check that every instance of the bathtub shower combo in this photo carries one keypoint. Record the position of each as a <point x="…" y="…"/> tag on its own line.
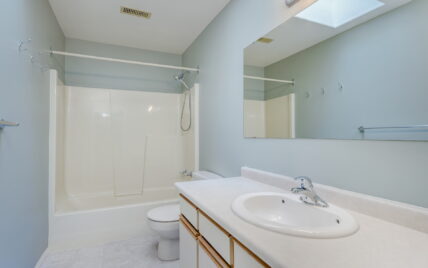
<point x="114" y="155"/>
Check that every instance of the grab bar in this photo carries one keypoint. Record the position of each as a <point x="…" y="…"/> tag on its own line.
<point x="4" y="124"/>
<point x="363" y="129"/>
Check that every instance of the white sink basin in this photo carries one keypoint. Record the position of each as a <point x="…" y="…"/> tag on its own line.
<point x="285" y="213"/>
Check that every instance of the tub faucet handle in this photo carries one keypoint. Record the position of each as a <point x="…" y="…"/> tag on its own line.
<point x="186" y="173"/>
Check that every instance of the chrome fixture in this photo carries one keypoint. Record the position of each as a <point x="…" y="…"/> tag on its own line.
<point x="291" y="3"/>
<point x="186" y="173"/>
<point x="307" y="192"/>
<point x="4" y="123"/>
<point x="188" y="98"/>
<point x="34" y="56"/>
<point x="363" y="129"/>
<point x="180" y="78"/>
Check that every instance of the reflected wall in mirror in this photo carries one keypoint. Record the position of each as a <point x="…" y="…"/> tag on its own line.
<point x="341" y="69"/>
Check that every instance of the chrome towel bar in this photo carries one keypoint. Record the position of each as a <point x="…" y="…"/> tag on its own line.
<point x="363" y="129"/>
<point x="4" y="123"/>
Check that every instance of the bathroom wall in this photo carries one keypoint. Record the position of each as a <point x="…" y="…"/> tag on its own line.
<point x="24" y="98"/>
<point x="100" y="74"/>
<point x="382" y="65"/>
<point x="393" y="170"/>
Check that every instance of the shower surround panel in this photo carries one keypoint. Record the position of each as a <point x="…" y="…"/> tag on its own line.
<point x="119" y="145"/>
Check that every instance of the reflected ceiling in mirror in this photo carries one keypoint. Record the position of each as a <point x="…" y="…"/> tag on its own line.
<point x="361" y="77"/>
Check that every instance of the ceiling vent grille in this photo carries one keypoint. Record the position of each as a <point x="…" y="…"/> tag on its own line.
<point x="135" y="12"/>
<point x="265" y="40"/>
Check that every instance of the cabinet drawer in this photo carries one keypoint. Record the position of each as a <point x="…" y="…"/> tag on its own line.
<point x="189" y="210"/>
<point x="188" y="245"/>
<point x="208" y="257"/>
<point x="244" y="258"/>
<point x="216" y="236"/>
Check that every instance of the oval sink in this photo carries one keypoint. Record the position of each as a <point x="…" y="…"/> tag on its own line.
<point x="285" y="213"/>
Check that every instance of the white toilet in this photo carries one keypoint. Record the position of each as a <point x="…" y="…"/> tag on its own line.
<point x="164" y="221"/>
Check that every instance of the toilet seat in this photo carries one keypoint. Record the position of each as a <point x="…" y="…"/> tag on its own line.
<point x="168" y="213"/>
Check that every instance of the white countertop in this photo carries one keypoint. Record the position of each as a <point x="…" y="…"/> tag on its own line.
<point x="377" y="244"/>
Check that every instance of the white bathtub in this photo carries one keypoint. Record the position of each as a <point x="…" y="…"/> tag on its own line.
<point x="97" y="220"/>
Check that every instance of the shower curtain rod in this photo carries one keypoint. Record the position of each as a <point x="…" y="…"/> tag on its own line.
<point x="269" y="79"/>
<point x="124" y="61"/>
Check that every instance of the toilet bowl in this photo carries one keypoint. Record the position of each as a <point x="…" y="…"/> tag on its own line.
<point x="164" y="221"/>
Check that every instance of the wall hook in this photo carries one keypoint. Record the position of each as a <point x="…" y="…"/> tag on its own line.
<point x="21" y="45"/>
<point x="38" y="64"/>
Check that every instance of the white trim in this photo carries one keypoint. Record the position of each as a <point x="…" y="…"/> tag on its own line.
<point x="292" y="102"/>
<point x="53" y="83"/>
<point x="124" y="61"/>
<point x="196" y="126"/>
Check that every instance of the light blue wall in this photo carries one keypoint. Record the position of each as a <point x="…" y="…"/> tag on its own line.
<point x="393" y="170"/>
<point x="24" y="97"/>
<point x="383" y="65"/>
<point x="101" y="74"/>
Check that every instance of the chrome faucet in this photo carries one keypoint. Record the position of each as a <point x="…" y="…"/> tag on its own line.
<point x="307" y="192"/>
<point x="186" y="173"/>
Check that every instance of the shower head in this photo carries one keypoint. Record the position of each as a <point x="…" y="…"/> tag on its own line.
<point x="180" y="78"/>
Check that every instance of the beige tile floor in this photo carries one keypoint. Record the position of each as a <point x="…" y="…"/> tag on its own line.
<point x="139" y="252"/>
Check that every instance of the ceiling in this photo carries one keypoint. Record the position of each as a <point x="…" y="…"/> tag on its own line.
<point x="173" y="27"/>
<point x="297" y="34"/>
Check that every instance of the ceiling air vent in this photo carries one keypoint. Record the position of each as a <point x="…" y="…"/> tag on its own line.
<point x="135" y="12"/>
<point x="265" y="40"/>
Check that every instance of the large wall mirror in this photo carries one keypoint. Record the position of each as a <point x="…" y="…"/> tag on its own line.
<point x="341" y="69"/>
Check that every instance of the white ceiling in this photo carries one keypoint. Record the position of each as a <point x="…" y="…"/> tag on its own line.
<point x="173" y="27"/>
<point x="296" y="35"/>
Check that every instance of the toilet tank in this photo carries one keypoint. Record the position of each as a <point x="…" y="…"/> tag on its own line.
<point x="204" y="175"/>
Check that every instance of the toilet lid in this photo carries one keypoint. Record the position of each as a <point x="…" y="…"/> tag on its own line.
<point x="166" y="213"/>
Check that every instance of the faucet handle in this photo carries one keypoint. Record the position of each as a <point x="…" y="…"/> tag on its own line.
<point x="305" y="182"/>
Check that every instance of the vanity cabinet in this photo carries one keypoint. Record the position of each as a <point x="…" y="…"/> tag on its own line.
<point x="189" y="211"/>
<point x="216" y="236"/>
<point x="204" y="243"/>
<point x="208" y="256"/>
<point x="243" y="257"/>
<point x="188" y="244"/>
